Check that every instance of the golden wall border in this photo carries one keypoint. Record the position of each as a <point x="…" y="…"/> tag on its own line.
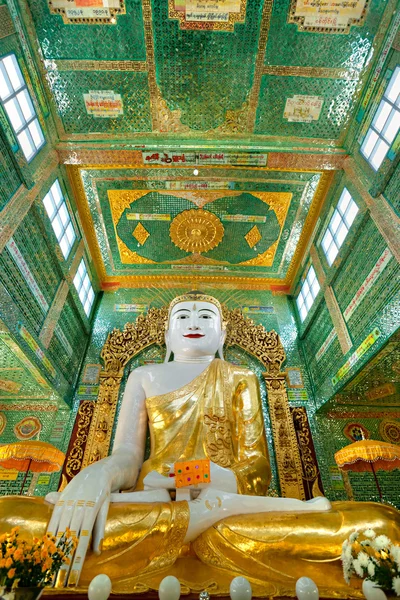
<point x="315" y="72"/>
<point x="121" y="346"/>
<point x="97" y="65"/>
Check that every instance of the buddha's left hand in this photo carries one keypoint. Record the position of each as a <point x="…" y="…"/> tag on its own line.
<point x="221" y="479"/>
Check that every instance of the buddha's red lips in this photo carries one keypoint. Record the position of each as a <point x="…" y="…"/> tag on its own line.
<point x="194" y="335"/>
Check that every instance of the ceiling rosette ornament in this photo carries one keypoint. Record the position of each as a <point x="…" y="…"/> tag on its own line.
<point x="196" y="230"/>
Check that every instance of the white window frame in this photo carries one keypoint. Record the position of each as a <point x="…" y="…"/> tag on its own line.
<point x="339" y="226"/>
<point x="307" y="294"/>
<point x="18" y="106"/>
<point x="385" y="124"/>
<point x="83" y="286"/>
<point x="60" y="218"/>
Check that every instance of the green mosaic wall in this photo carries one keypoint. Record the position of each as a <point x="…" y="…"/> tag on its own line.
<point x="122" y="41"/>
<point x="133" y="88"/>
<point x="367" y="249"/>
<point x="272" y="311"/>
<point x="392" y="191"/>
<point x="338" y="100"/>
<point x="56" y="429"/>
<point x="363" y="484"/>
<point x="288" y="46"/>
<point x="22" y="49"/>
<point x="378" y="307"/>
<point x="9" y="177"/>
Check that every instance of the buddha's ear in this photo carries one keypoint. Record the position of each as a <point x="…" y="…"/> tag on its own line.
<point x="221" y="344"/>
<point x="167" y="343"/>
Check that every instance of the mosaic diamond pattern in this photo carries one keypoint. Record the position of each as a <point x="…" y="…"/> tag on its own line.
<point x="140" y="234"/>
<point x="253" y="237"/>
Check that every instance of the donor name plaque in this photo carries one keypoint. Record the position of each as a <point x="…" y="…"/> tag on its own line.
<point x="327" y="16"/>
<point x="88" y="11"/>
<point x="208" y="14"/>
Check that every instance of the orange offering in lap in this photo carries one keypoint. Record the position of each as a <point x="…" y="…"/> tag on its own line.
<point x="192" y="472"/>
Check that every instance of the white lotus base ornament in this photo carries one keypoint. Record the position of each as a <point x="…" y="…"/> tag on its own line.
<point x="170" y="588"/>
<point x="306" y="589"/>
<point x="240" y="589"/>
<point x="371" y="591"/>
<point x="99" y="588"/>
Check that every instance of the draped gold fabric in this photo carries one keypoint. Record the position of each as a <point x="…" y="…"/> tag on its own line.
<point x="218" y="416"/>
<point x="144" y="543"/>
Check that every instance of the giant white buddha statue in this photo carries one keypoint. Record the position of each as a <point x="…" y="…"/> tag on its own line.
<point x="197" y="407"/>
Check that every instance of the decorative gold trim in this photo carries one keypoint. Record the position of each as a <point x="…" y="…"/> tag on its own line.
<point x="35" y="407"/>
<point x="258" y="70"/>
<point x="97" y="65"/>
<point x="315" y="72"/>
<point x="303" y="434"/>
<point x="121" y="346"/>
<point x="76" y="453"/>
<point x="151" y="65"/>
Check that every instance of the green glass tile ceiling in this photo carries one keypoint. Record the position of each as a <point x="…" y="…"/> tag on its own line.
<point x="133" y="88"/>
<point x="288" y="46"/>
<point x="123" y="41"/>
<point x="273" y="216"/>
<point x="337" y="100"/>
<point x="210" y="79"/>
<point x="203" y="74"/>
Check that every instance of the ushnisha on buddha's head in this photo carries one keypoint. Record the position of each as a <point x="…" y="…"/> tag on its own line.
<point x="195" y="329"/>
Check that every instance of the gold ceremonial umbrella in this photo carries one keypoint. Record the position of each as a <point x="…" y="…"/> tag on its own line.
<point x="35" y="456"/>
<point x="369" y="455"/>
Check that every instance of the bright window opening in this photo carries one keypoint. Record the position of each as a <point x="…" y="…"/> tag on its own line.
<point x="15" y="98"/>
<point x="57" y="210"/>
<point x="385" y="124"/>
<point x="308" y="293"/>
<point x="339" y="225"/>
<point x="84" y="287"/>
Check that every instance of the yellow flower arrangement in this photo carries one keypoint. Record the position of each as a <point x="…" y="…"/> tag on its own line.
<point x="32" y="564"/>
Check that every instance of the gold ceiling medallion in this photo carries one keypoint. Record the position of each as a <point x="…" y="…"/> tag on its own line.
<point x="88" y="12"/>
<point x="209" y="15"/>
<point x="333" y="17"/>
<point x="196" y="231"/>
<point x="253" y="236"/>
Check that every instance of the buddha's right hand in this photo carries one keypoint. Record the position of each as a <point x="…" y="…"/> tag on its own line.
<point x="85" y="500"/>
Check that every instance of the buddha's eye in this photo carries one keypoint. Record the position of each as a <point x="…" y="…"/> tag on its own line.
<point x="183" y="316"/>
<point x="205" y="317"/>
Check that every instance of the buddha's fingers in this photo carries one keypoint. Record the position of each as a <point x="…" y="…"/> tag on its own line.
<point x="100" y="525"/>
<point x="84" y="537"/>
<point x="77" y="517"/>
<point x="52" y="527"/>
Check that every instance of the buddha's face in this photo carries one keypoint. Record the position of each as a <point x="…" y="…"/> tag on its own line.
<point x="195" y="329"/>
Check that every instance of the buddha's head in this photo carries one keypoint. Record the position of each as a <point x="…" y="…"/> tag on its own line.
<point x="195" y="328"/>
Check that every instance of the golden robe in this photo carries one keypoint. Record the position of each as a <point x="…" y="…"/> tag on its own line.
<point x="218" y="415"/>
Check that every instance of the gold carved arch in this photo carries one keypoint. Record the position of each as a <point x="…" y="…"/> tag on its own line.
<point x="121" y="346"/>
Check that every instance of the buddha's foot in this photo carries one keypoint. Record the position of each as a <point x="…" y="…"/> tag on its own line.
<point x="319" y="503"/>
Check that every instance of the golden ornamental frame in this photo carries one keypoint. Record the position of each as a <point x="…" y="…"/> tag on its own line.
<point x="121" y="346"/>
